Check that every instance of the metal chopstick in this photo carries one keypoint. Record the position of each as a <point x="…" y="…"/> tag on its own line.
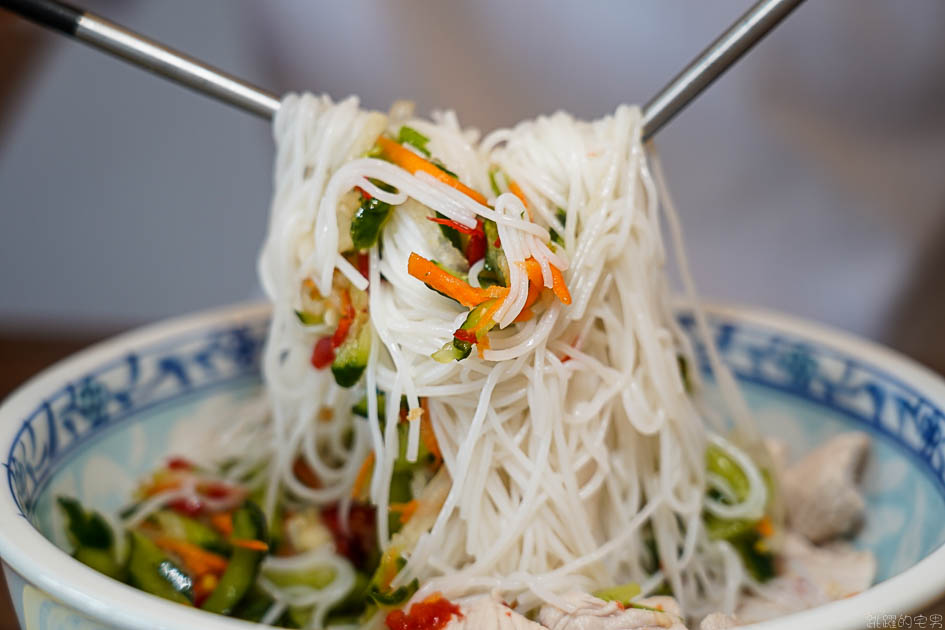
<point x="146" y="53"/>
<point x="180" y="68"/>
<point x="718" y="57"/>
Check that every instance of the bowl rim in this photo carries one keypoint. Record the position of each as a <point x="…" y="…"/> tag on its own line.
<point x="27" y="552"/>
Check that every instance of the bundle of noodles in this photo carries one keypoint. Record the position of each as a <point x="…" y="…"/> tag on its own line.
<point x="542" y="376"/>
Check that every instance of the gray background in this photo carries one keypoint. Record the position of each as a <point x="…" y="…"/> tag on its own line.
<point x="810" y="179"/>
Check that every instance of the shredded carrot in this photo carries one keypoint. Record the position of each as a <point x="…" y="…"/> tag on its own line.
<point x="515" y="190"/>
<point x="765" y="527"/>
<point x="411" y="162"/>
<point x="534" y="291"/>
<point x="313" y="292"/>
<point x="427" y="436"/>
<point x="252" y="545"/>
<point x="448" y="284"/>
<point x="406" y="510"/>
<point x="203" y="587"/>
<point x="558" y="286"/>
<point x="536" y="283"/>
<point x="199" y="561"/>
<point x="525" y="315"/>
<point x="363" y="475"/>
<point x="533" y="269"/>
<point x="223" y="523"/>
<point x="482" y="345"/>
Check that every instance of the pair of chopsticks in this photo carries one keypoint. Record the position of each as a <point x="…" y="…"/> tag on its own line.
<point x="151" y="55"/>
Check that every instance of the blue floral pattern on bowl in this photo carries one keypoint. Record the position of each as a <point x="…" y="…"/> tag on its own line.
<point x="104" y="428"/>
<point x="86" y="408"/>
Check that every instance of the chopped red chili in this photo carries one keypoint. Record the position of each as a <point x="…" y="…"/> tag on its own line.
<point x="323" y="353"/>
<point x="187" y="507"/>
<point x="217" y="490"/>
<point x="432" y="613"/>
<point x="459" y="227"/>
<point x="364" y="264"/>
<point x="180" y="463"/>
<point x="476" y="248"/>
<point x="465" y="335"/>
<point x="358" y="540"/>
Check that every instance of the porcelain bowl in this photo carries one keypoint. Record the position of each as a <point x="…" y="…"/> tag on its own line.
<point x="93" y="424"/>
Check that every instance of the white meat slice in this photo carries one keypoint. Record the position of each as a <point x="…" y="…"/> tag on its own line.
<point x="586" y="612"/>
<point x="821" y="497"/>
<point x="490" y="613"/>
<point x="718" y="621"/>
<point x="809" y="576"/>
<point x="778" y="451"/>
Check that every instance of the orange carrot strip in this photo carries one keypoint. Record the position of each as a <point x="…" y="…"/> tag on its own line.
<point x="515" y="190"/>
<point x="558" y="286"/>
<point x="313" y="292"/>
<point x="525" y="315"/>
<point x="198" y="560"/>
<point x="444" y="282"/>
<point x="253" y="545"/>
<point x="411" y="162"/>
<point x="203" y="586"/>
<point x="495" y="292"/>
<point x="482" y="344"/>
<point x="427" y="436"/>
<point x="363" y="475"/>
<point x="765" y="527"/>
<point x="406" y="510"/>
<point x="223" y="523"/>
<point x="533" y="269"/>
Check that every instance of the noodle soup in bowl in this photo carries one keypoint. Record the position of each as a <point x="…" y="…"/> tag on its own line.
<point x="96" y="424"/>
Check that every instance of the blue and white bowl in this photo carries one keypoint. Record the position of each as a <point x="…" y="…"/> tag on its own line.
<point x="94" y="424"/>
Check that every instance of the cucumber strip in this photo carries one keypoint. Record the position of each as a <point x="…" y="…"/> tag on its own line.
<point x="152" y="571"/>
<point x="248" y="524"/>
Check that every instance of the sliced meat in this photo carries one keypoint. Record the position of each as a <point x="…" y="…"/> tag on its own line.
<point x="821" y="497"/>
<point x="718" y="621"/>
<point x="490" y="613"/>
<point x="809" y="576"/>
<point x="586" y="612"/>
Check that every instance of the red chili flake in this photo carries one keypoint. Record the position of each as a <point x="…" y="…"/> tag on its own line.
<point x="364" y="193"/>
<point x="180" y="463"/>
<point x="498" y="242"/>
<point x="323" y="353"/>
<point x="432" y="613"/>
<point x="465" y="335"/>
